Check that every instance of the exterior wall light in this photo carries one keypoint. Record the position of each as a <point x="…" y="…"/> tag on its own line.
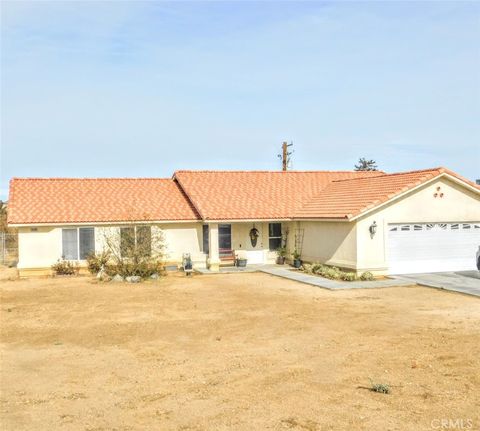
<point x="373" y="229"/>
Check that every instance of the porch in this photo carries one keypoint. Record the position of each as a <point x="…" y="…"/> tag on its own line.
<point x="255" y="242"/>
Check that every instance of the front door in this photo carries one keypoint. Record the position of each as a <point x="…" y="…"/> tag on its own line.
<point x="224" y="239"/>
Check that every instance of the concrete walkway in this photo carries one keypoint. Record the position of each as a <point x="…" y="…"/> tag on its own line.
<point x="467" y="282"/>
<point x="314" y="280"/>
<point x="462" y="281"/>
<point x="230" y="269"/>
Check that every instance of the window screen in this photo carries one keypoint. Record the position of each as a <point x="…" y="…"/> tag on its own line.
<point x="69" y="244"/>
<point x="87" y="241"/>
<point x="224" y="238"/>
<point x="144" y="240"/>
<point x="205" y="239"/>
<point x="127" y="241"/>
<point x="274" y="236"/>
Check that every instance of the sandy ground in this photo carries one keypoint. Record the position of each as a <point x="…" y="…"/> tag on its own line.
<point x="240" y="351"/>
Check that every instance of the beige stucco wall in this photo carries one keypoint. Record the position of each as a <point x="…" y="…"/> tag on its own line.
<point x="183" y="238"/>
<point x="42" y="246"/>
<point x="332" y="243"/>
<point x="39" y="247"/>
<point x="418" y="206"/>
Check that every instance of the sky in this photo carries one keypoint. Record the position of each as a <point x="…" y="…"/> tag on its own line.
<point x="141" y="89"/>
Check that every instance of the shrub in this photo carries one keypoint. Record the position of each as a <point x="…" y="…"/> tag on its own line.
<point x="65" y="267"/>
<point x="317" y="267"/>
<point x="134" y="250"/>
<point x="97" y="261"/>
<point x="366" y="276"/>
<point x="307" y="268"/>
<point x="381" y="388"/>
<point x="331" y="272"/>
<point x="348" y="276"/>
<point x="143" y="269"/>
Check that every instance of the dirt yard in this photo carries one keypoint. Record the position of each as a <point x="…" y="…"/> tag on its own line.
<point x="241" y="352"/>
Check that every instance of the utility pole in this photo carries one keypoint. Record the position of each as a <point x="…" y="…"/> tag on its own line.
<point x="285" y="156"/>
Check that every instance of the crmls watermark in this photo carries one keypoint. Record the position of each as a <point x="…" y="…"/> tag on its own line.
<point x="452" y="424"/>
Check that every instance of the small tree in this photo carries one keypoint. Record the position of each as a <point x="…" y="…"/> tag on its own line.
<point x="134" y="249"/>
<point x="366" y="165"/>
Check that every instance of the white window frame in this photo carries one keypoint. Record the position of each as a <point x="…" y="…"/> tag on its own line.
<point x="280" y="237"/>
<point x="78" y="241"/>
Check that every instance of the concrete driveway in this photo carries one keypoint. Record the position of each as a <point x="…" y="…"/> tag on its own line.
<point x="462" y="281"/>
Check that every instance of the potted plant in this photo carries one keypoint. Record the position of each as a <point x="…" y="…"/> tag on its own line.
<point x="282" y="254"/>
<point x="241" y="259"/>
<point x="297" y="263"/>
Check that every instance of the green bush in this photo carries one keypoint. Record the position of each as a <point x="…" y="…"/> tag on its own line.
<point x="307" y="268"/>
<point x="331" y="272"/>
<point x="143" y="269"/>
<point x="65" y="267"/>
<point x="348" y="276"/>
<point x="381" y="388"/>
<point x="95" y="262"/>
<point x="367" y="276"/>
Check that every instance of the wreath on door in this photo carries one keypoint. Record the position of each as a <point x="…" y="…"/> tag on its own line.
<point x="254" y="234"/>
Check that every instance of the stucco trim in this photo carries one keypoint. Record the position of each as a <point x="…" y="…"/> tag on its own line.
<point x="103" y="223"/>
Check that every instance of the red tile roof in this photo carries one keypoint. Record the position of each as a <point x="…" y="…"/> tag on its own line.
<point x="349" y="198"/>
<point x="210" y="195"/>
<point x="258" y="195"/>
<point x="68" y="200"/>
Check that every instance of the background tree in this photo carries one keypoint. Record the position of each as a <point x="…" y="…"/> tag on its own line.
<point x="3" y="216"/>
<point x="8" y="238"/>
<point x="366" y="165"/>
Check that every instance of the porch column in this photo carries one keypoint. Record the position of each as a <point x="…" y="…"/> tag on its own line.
<point x="213" y="255"/>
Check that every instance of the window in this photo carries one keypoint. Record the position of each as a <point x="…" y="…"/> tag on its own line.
<point x="224" y="238"/>
<point x="70" y="244"/>
<point x="144" y="240"/>
<point x="78" y="243"/>
<point x="127" y="241"/>
<point x="454" y="226"/>
<point x="135" y="239"/>
<point x="274" y="236"/>
<point x="417" y="227"/>
<point x="87" y="241"/>
<point x="466" y="226"/>
<point x="405" y="227"/>
<point x="205" y="239"/>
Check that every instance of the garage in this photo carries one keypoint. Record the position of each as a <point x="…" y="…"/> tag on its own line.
<point x="432" y="247"/>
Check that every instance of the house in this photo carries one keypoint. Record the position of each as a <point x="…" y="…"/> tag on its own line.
<point x="417" y="221"/>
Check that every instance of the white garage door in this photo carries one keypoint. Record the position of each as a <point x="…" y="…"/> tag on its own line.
<point x="432" y="247"/>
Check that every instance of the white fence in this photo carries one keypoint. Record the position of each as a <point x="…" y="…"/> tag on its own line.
<point x="8" y="248"/>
